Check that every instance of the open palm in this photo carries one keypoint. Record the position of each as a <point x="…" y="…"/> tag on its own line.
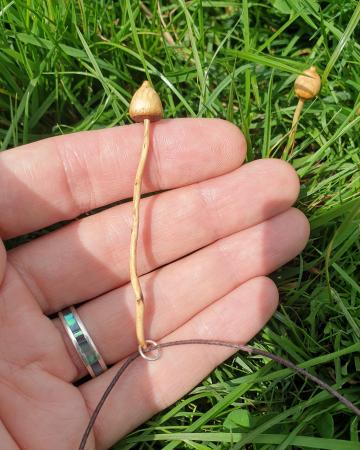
<point x="206" y="244"/>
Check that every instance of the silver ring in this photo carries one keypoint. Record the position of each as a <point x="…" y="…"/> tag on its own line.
<point x="82" y="341"/>
<point x="149" y="357"/>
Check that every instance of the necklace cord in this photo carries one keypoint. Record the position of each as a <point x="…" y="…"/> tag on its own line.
<point x="244" y="348"/>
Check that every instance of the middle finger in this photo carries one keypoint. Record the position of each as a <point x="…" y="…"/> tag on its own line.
<point x="90" y="256"/>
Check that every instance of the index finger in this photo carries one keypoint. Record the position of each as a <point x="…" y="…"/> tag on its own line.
<point x="62" y="177"/>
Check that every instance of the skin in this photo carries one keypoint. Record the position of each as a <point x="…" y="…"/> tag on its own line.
<point x="206" y="246"/>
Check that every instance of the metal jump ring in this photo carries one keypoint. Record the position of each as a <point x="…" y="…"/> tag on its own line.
<point x="148" y="357"/>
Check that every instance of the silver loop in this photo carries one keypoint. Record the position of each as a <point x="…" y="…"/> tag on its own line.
<point x="149" y="357"/>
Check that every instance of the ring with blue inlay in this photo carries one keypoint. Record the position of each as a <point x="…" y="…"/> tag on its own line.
<point x="82" y="341"/>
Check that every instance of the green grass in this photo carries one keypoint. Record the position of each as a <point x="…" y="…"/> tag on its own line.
<point x="71" y="66"/>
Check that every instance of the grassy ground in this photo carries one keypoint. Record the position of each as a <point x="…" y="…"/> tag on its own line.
<point x="71" y="66"/>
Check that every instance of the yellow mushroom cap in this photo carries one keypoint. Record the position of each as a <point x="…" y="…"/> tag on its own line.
<point x="145" y="104"/>
<point x="308" y="84"/>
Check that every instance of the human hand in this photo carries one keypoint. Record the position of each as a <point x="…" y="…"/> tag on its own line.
<point x="235" y="224"/>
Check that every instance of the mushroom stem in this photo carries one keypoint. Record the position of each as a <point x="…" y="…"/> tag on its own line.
<point x="294" y="125"/>
<point x="139" y="298"/>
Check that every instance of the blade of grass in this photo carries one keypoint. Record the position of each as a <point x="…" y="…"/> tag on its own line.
<point x="342" y="42"/>
<point x="221" y="437"/>
<point x="199" y="69"/>
<point x="129" y="8"/>
<point x="267" y="122"/>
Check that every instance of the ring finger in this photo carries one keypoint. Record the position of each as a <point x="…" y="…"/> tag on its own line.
<point x="177" y="292"/>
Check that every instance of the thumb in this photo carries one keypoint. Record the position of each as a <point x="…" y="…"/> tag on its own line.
<point x="2" y="260"/>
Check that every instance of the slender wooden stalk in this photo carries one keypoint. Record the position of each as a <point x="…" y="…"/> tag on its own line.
<point x="290" y="144"/>
<point x="134" y="278"/>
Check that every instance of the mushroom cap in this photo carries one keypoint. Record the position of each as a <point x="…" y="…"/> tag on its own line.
<point x="145" y="104"/>
<point x="308" y="84"/>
